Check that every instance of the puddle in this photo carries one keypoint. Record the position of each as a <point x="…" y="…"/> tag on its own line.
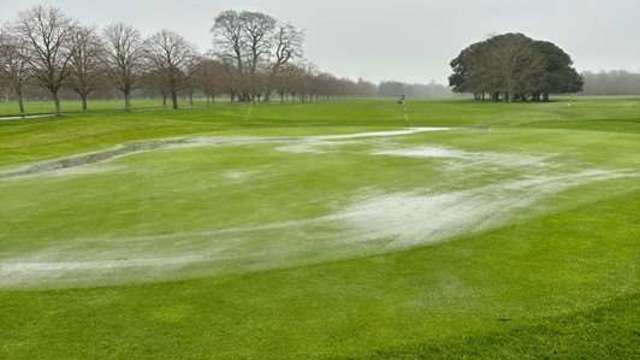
<point x="145" y="146"/>
<point x="91" y="158"/>
<point x="26" y="117"/>
<point x="374" y="134"/>
<point x="377" y="223"/>
<point x="417" y="218"/>
<point x="504" y="159"/>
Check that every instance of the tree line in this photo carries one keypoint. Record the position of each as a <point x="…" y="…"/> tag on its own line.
<point x="616" y="82"/>
<point x="255" y="58"/>
<point x="396" y="89"/>
<point x="514" y="67"/>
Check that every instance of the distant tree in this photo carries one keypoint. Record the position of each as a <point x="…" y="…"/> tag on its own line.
<point x="211" y="77"/>
<point x="170" y="55"/>
<point x="258" y="29"/>
<point x="365" y="88"/>
<point x="514" y="63"/>
<point x="14" y="64"/>
<point x="86" y="70"/>
<point x="306" y="83"/>
<point x="152" y="83"/>
<point x="392" y="89"/>
<point x="255" y="47"/>
<point x="617" y="82"/>
<point x="191" y="81"/>
<point x="48" y="32"/>
<point x="396" y="89"/>
<point x="123" y="56"/>
<point x="287" y="41"/>
<point x="282" y="80"/>
<point x="558" y="76"/>
<point x="228" y="34"/>
<point x="514" y="67"/>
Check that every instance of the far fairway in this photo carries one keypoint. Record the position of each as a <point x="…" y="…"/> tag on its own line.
<point x="355" y="229"/>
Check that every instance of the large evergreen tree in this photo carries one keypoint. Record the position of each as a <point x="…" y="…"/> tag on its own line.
<point x="513" y="67"/>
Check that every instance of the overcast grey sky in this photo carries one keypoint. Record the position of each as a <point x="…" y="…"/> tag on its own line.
<point x="407" y="40"/>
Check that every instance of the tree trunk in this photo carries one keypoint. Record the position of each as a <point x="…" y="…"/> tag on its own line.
<point x="164" y="100"/>
<point x="545" y="97"/>
<point x="174" y="99"/>
<point x="191" y="98"/>
<point x="20" y="100"/>
<point x="127" y="100"/>
<point x="56" y="102"/>
<point x="84" y="102"/>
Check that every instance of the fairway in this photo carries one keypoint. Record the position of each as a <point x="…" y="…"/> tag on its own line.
<point x="347" y="229"/>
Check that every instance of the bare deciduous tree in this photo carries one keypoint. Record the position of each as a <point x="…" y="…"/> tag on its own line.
<point x="212" y="78"/>
<point x="256" y="47"/>
<point x="287" y="42"/>
<point x="48" y="32"/>
<point x="152" y="83"/>
<point x="85" y="70"/>
<point x="123" y="57"/>
<point x="258" y="29"/>
<point x="170" y="55"/>
<point x="228" y="34"/>
<point x="255" y="55"/>
<point x="228" y="37"/>
<point x="14" y="64"/>
<point x="191" y="73"/>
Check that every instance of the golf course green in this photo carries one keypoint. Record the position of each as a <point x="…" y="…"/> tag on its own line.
<point x="353" y="229"/>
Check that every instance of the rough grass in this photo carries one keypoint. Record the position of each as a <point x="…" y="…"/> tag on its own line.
<point x="557" y="279"/>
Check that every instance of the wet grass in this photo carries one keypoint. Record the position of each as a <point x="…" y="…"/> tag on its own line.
<point x="560" y="280"/>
